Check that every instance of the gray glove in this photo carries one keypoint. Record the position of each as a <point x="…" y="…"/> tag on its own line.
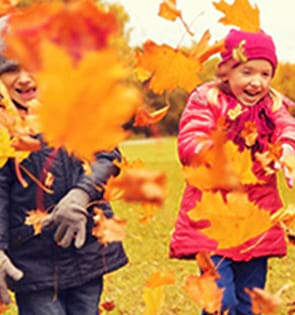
<point x="70" y="217"/>
<point x="7" y="269"/>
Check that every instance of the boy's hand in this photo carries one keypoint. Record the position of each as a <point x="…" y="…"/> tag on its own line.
<point x="70" y="217"/>
<point x="7" y="269"/>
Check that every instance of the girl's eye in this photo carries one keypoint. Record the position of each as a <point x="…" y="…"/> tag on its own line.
<point x="266" y="74"/>
<point x="246" y="72"/>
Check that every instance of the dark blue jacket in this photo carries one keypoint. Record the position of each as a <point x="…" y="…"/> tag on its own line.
<point x="46" y="265"/>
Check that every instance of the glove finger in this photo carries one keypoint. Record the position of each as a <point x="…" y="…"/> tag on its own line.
<point x="81" y="235"/>
<point x="4" y="295"/>
<point x="67" y="238"/>
<point x="60" y="232"/>
<point x="12" y="271"/>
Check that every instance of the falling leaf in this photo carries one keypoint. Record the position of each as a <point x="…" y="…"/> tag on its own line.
<point x="168" y="10"/>
<point x="206" y="264"/>
<point x="138" y="185"/>
<point x="108" y="230"/>
<point x="145" y="118"/>
<point x="160" y="278"/>
<point x="149" y="211"/>
<point x="236" y="221"/>
<point x="269" y="157"/>
<point x="263" y="302"/>
<point x="53" y="21"/>
<point x="249" y="133"/>
<point x="34" y="218"/>
<point x="240" y="14"/>
<point x="7" y="6"/>
<point x="169" y="68"/>
<point x="84" y="124"/>
<point x="204" y="292"/>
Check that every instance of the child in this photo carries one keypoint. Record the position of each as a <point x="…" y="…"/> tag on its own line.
<point x="247" y="66"/>
<point x="59" y="271"/>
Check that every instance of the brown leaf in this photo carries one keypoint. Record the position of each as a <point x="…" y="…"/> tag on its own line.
<point x="240" y="14"/>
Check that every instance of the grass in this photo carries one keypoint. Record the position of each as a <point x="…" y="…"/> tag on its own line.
<point x="147" y="245"/>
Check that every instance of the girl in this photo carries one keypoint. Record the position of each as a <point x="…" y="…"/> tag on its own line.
<point x="247" y="66"/>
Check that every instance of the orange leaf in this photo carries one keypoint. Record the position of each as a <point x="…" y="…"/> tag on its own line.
<point x="53" y="21"/>
<point x="204" y="292"/>
<point x="92" y="112"/>
<point x="237" y="220"/>
<point x="240" y="14"/>
<point x="108" y="230"/>
<point x="160" y="278"/>
<point x="269" y="157"/>
<point x="34" y="218"/>
<point x="168" y="10"/>
<point x="144" y="118"/>
<point x="170" y="68"/>
<point x="206" y="264"/>
<point x="139" y="185"/>
<point x="7" y="6"/>
<point x="149" y="211"/>
<point x="263" y="302"/>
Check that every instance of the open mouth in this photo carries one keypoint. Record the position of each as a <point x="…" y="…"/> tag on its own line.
<point x="252" y="94"/>
<point x="27" y="93"/>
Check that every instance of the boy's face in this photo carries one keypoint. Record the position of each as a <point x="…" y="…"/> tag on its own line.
<point x="250" y="81"/>
<point x="20" y="85"/>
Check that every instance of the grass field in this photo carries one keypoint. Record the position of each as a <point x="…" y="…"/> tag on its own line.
<point x="147" y="244"/>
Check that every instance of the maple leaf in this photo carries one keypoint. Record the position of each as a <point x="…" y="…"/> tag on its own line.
<point x="160" y="278"/>
<point x="144" y="118"/>
<point x="222" y="166"/>
<point x="169" y="68"/>
<point x="29" y="28"/>
<point x="269" y="157"/>
<point x="169" y="11"/>
<point x="108" y="230"/>
<point x="93" y="111"/>
<point x="240" y="14"/>
<point x="138" y="185"/>
<point x="249" y="133"/>
<point x="237" y="220"/>
<point x="34" y="218"/>
<point x="204" y="292"/>
<point x="206" y="264"/>
<point x="263" y="302"/>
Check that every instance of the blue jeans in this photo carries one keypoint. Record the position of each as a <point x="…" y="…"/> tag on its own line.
<point x="234" y="277"/>
<point x="73" y="301"/>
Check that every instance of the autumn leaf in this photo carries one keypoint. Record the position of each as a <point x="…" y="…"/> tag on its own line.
<point x="138" y="185"/>
<point x="53" y="21"/>
<point x="236" y="221"/>
<point x="204" y="292"/>
<point x="224" y="167"/>
<point x="249" y="133"/>
<point x="269" y="157"/>
<point x="34" y="218"/>
<point x="240" y="14"/>
<point x="263" y="302"/>
<point x="169" y="68"/>
<point x="149" y="210"/>
<point x="145" y="118"/>
<point x="169" y="11"/>
<point x="206" y="264"/>
<point x="7" y="6"/>
<point x="108" y="305"/>
<point x="84" y="123"/>
<point x="160" y="278"/>
<point x="108" y="230"/>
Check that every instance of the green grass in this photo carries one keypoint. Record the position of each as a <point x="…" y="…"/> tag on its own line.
<point x="147" y="245"/>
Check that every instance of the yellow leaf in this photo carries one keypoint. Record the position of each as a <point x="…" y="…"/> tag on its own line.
<point x="236" y="221"/>
<point x="168" y="10"/>
<point x="170" y="68"/>
<point x="84" y="106"/>
<point x="240" y="14"/>
<point x="154" y="300"/>
<point x="34" y="218"/>
<point x="145" y="118"/>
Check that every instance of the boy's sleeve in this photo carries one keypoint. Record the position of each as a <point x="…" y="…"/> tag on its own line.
<point x="197" y="121"/>
<point x="5" y="176"/>
<point x="101" y="170"/>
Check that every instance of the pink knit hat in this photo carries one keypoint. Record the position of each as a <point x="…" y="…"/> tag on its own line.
<point x="243" y="46"/>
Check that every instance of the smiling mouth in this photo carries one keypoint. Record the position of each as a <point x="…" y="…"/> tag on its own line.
<point x="251" y="94"/>
<point x="28" y="90"/>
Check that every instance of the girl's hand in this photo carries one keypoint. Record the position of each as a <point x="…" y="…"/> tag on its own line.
<point x="287" y="151"/>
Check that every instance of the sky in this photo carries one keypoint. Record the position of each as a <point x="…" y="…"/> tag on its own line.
<point x="277" y="19"/>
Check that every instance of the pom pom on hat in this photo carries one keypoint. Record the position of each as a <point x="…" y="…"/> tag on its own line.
<point x="242" y="46"/>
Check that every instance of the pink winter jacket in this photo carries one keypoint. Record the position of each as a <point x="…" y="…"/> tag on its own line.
<point x="198" y="119"/>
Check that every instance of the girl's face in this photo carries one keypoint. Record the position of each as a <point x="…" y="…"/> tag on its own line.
<point x="20" y="85"/>
<point x="250" y="81"/>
